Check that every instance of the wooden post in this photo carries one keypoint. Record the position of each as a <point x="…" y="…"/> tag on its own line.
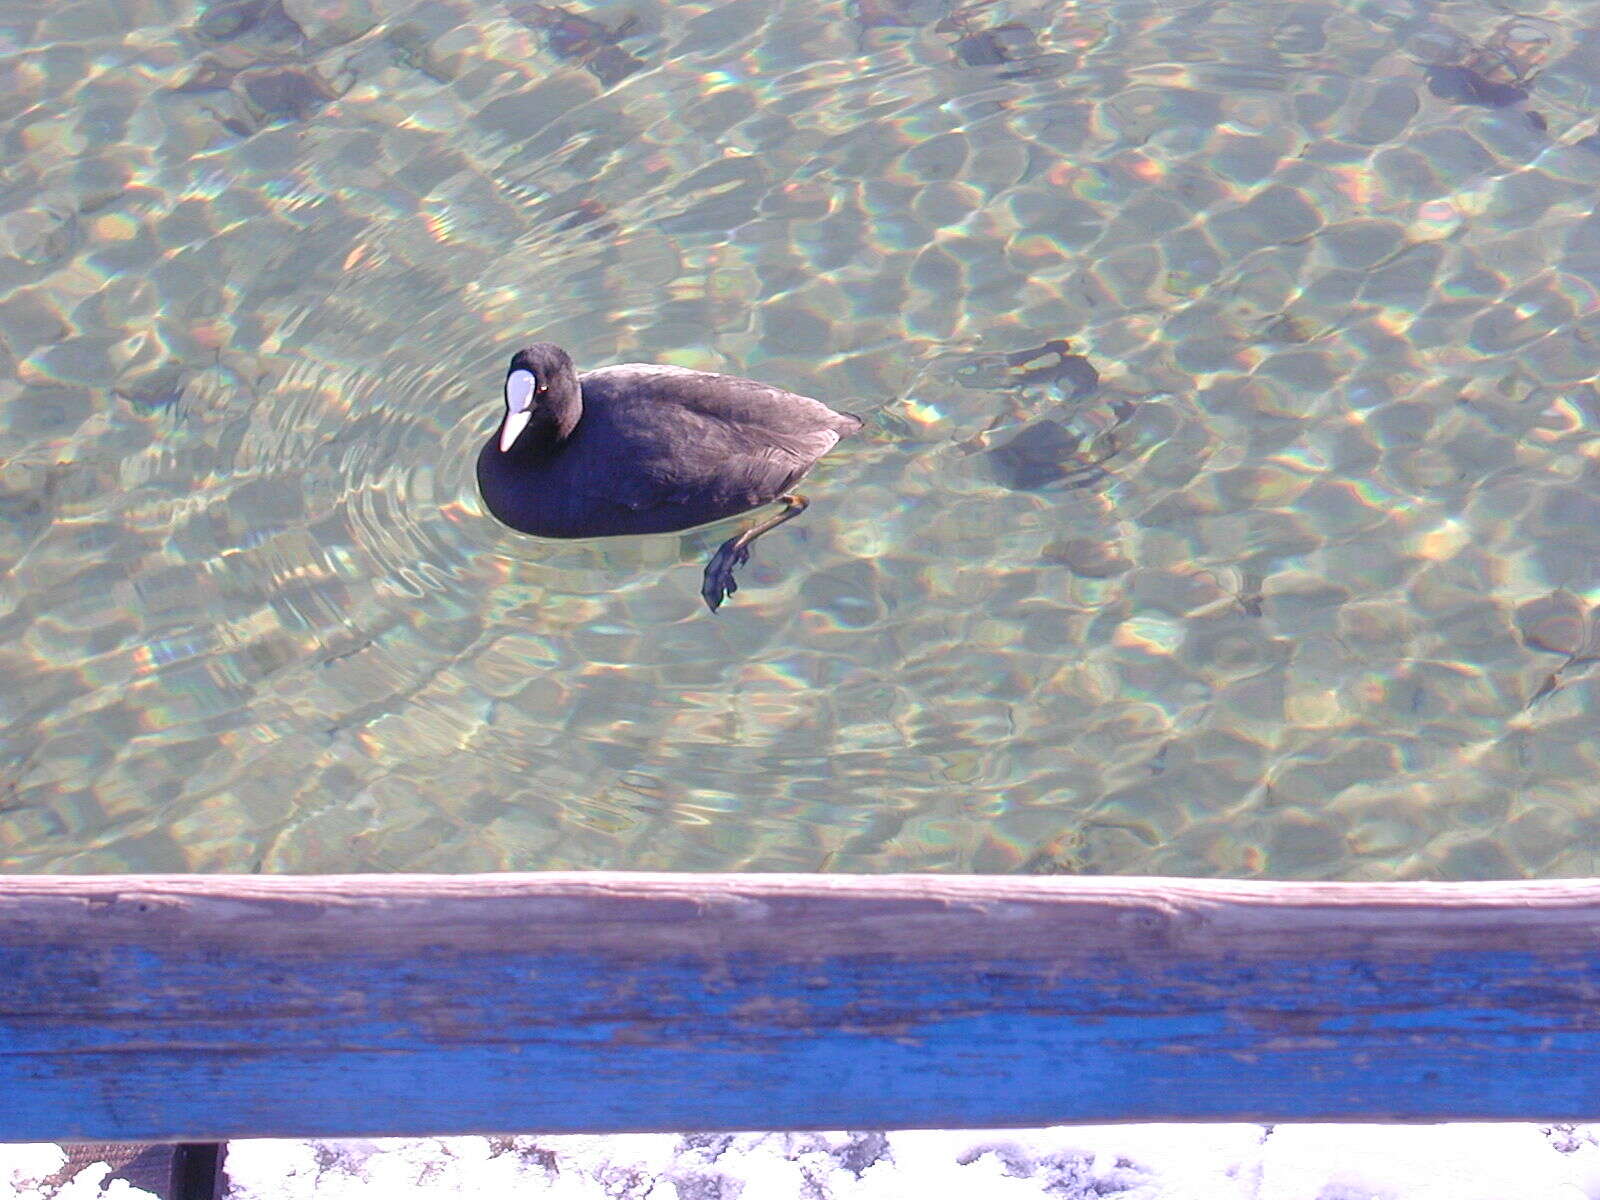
<point x="198" y="1008"/>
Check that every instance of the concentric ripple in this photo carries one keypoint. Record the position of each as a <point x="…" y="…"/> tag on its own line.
<point x="1227" y="505"/>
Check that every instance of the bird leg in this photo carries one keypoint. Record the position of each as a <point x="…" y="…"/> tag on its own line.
<point x="735" y="552"/>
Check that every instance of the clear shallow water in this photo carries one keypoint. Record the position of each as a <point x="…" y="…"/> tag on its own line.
<point x="1302" y="588"/>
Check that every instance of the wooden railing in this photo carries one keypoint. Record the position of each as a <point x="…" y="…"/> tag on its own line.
<point x="198" y="1008"/>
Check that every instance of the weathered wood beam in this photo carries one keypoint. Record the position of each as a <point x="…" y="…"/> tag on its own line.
<point x="205" y="1007"/>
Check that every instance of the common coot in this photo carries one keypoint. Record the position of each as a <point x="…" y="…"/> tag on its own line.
<point x="635" y="449"/>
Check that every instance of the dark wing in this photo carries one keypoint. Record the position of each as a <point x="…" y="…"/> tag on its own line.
<point x="710" y="442"/>
<point x="782" y="418"/>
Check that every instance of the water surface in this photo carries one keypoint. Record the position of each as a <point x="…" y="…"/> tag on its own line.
<point x="1282" y="565"/>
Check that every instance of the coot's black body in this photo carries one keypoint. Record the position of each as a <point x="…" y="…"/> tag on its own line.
<point x="637" y="449"/>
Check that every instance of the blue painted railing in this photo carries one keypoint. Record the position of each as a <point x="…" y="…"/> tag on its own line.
<point x="202" y="1008"/>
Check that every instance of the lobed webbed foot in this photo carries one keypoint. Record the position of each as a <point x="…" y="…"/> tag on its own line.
<point x="719" y="582"/>
<point x="735" y="552"/>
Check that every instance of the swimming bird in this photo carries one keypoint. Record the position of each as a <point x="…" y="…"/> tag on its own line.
<point x="634" y="449"/>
